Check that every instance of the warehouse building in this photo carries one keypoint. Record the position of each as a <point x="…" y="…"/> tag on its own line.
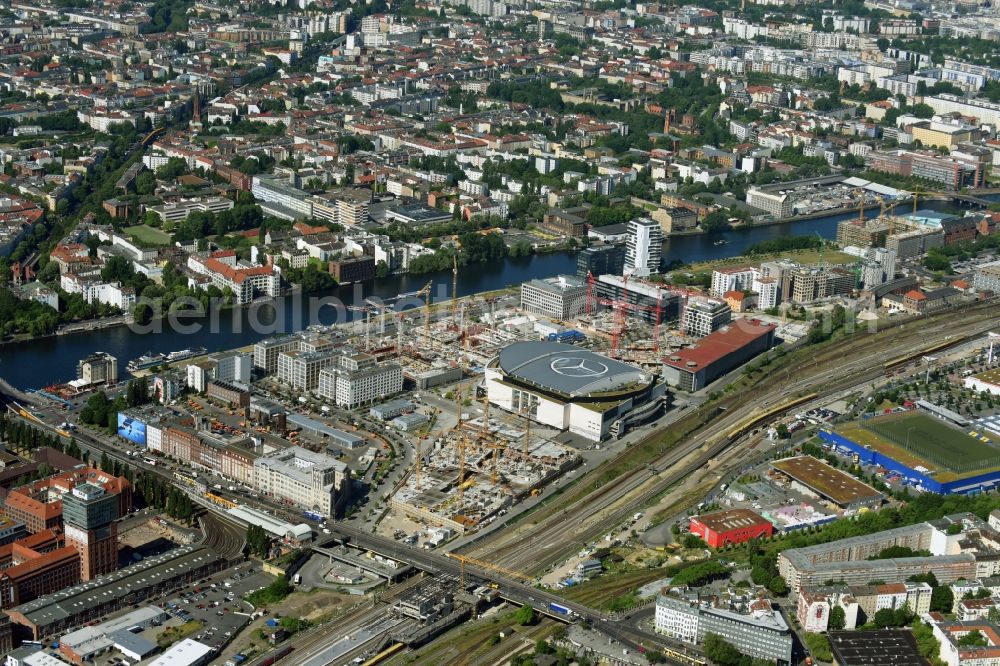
<point x="569" y="388"/>
<point x="887" y="647"/>
<point x="85" y="644"/>
<point x="815" y="478"/>
<point x="231" y="393"/>
<point x="319" y="429"/>
<point x="390" y="410"/>
<point x="188" y="652"/>
<point x="732" y="526"/>
<point x="69" y="608"/>
<point x="695" y="367"/>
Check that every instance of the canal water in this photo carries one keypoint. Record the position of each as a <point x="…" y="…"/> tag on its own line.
<point x="45" y="361"/>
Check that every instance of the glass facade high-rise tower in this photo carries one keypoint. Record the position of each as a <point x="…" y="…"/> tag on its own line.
<point x="89" y="514"/>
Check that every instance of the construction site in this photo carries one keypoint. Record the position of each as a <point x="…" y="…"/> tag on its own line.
<point x="630" y="320"/>
<point x="470" y="474"/>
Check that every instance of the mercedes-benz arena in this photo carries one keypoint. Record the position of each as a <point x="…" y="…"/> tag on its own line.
<point x="568" y="388"/>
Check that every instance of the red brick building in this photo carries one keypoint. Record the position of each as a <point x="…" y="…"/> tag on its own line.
<point x="39" y="575"/>
<point x="39" y="505"/>
<point x="732" y="526"/>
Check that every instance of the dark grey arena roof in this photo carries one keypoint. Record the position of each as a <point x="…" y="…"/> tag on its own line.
<point x="567" y="370"/>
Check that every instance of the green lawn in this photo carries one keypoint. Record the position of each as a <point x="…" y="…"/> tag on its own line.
<point x="148" y="235"/>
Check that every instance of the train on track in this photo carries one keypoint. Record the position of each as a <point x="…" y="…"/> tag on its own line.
<point x="280" y="654"/>
<point x="900" y="362"/>
<point x="221" y="501"/>
<point x="760" y="417"/>
<point x="384" y="654"/>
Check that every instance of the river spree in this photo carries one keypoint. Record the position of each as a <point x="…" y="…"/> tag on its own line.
<point x="45" y="361"/>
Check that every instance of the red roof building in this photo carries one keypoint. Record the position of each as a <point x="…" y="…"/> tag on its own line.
<point x="733" y="526"/>
<point x="39" y="505"/>
<point x="697" y="366"/>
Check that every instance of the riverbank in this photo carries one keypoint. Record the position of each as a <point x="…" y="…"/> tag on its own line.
<point x="37" y="363"/>
<point x="871" y="210"/>
<point x="807" y="257"/>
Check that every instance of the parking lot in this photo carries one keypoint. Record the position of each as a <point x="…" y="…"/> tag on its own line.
<point x="211" y="611"/>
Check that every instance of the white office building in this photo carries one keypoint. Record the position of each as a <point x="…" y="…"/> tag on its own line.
<point x="758" y="630"/>
<point x="232" y="367"/>
<point x="643" y="247"/>
<point x="300" y="369"/>
<point x="358" y="380"/>
<point x="768" y="291"/>
<point x="560" y="297"/>
<point x="308" y="479"/>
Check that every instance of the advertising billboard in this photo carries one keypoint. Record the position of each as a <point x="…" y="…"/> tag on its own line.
<point x="131" y="429"/>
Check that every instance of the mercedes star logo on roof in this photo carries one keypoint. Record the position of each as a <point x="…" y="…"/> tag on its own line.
<point x="572" y="366"/>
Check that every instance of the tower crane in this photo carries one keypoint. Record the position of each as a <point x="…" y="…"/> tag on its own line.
<point x="426" y="293"/>
<point x="418" y="453"/>
<point x="621" y="305"/>
<point x="399" y="334"/>
<point x="460" y="445"/>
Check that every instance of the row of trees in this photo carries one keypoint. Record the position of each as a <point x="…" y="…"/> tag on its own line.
<point x="23" y="438"/>
<point x="199" y="224"/>
<point x="784" y="244"/>
<point x="764" y="571"/>
<point x="162" y="496"/>
<point x="258" y="541"/>
<point x="721" y="652"/>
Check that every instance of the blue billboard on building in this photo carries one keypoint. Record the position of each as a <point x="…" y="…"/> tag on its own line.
<point x="131" y="429"/>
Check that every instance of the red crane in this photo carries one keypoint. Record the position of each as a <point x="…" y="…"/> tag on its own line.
<point x="620" y="307"/>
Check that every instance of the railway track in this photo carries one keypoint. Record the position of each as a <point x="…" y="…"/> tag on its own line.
<point x="311" y="641"/>
<point x="584" y="516"/>
<point x="223" y="536"/>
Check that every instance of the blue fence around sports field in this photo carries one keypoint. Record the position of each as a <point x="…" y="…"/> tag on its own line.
<point x="968" y="485"/>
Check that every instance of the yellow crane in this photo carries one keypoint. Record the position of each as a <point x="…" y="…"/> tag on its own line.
<point x="419" y="453"/>
<point x="460" y="444"/>
<point x="486" y="440"/>
<point x="426" y="293"/>
<point x="485" y="566"/>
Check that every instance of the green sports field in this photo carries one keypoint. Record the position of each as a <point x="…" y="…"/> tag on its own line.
<point x="148" y="235"/>
<point x="942" y="446"/>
